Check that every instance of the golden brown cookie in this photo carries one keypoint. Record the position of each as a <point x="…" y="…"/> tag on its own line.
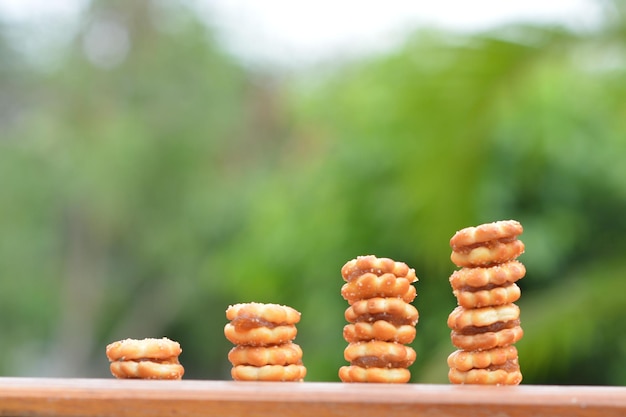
<point x="500" y="230"/>
<point x="370" y="285"/>
<point x="285" y="354"/>
<point x="130" y="349"/>
<point x="489" y="297"/>
<point x="146" y="369"/>
<point x="380" y="375"/>
<point x="485" y="376"/>
<point x="378" y="266"/>
<point x="478" y="319"/>
<point x="393" y="310"/>
<point x="462" y="360"/>
<point x="495" y="275"/>
<point x="379" y="354"/>
<point x="488" y="340"/>
<point x="489" y="253"/>
<point x="260" y="336"/>
<point x="248" y="315"/>
<point x="292" y="373"/>
<point x="379" y="330"/>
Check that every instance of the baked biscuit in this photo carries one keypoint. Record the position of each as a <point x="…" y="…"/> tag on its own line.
<point x="495" y="275"/>
<point x="463" y="360"/>
<point x="285" y="354"/>
<point x="370" y="285"/>
<point x="145" y="369"/>
<point x="488" y="340"/>
<point x="485" y="376"/>
<point x="260" y="336"/>
<point x="379" y="266"/>
<point x="392" y="310"/>
<point x="503" y="229"/>
<point x="477" y="318"/>
<point x="379" y="354"/>
<point x="380" y="375"/>
<point x="129" y="349"/>
<point x="493" y="252"/>
<point x="491" y="297"/>
<point x="247" y="315"/>
<point x="293" y="373"/>
<point x="378" y="330"/>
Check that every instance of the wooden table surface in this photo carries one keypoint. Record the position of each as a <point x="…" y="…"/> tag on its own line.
<point x="111" y="397"/>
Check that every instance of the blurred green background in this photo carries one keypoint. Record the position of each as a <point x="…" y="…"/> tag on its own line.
<point x="149" y="178"/>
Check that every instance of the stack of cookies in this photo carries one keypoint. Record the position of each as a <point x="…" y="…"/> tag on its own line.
<point x="145" y="359"/>
<point x="486" y="323"/>
<point x="264" y="335"/>
<point x="382" y="320"/>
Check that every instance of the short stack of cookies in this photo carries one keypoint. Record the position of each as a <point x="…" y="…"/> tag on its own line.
<point x="382" y="320"/>
<point x="263" y="335"/>
<point x="145" y="359"/>
<point x="486" y="323"/>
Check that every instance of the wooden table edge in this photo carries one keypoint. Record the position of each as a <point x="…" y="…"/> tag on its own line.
<point x="97" y="397"/>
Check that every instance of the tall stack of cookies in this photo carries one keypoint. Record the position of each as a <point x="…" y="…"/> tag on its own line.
<point x="486" y="323"/>
<point x="382" y="320"/>
<point x="263" y="335"/>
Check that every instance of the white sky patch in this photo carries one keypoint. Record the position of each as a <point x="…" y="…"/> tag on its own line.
<point x="290" y="32"/>
<point x="38" y="27"/>
<point x="21" y="10"/>
<point x="285" y="31"/>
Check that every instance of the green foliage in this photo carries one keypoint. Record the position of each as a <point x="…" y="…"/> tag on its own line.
<point x="141" y="200"/>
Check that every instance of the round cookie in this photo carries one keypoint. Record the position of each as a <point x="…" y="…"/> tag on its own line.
<point x="461" y="318"/>
<point x="260" y="336"/>
<point x="370" y="285"/>
<point x="393" y="310"/>
<point x="488" y="340"/>
<point x="495" y="252"/>
<point x="463" y="360"/>
<point x="379" y="330"/>
<point x="380" y="375"/>
<point x="491" y="297"/>
<point x="285" y="354"/>
<point x="503" y="229"/>
<point x="495" y="275"/>
<point x="293" y="373"/>
<point x="378" y="266"/>
<point x="247" y="315"/>
<point x="485" y="377"/>
<point x="379" y="354"/>
<point x="149" y="348"/>
<point x="146" y="369"/>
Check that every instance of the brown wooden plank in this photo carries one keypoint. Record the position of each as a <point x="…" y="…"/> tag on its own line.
<point x="110" y="397"/>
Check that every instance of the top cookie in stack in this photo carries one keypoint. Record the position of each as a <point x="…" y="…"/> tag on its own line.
<point x="486" y="323"/>
<point x="487" y="244"/>
<point x="381" y="318"/>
